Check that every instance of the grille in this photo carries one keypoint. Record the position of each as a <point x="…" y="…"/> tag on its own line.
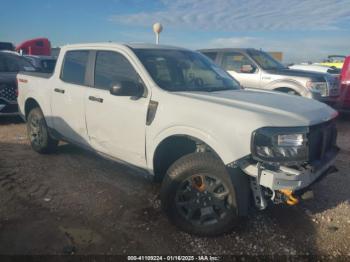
<point x="8" y="92"/>
<point x="334" y="89"/>
<point x="322" y="139"/>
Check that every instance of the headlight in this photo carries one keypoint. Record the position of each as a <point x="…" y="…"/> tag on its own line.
<point x="275" y="144"/>
<point x="319" y="87"/>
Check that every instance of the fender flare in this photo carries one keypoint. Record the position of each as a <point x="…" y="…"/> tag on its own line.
<point x="219" y="148"/>
<point x="288" y="83"/>
<point x="48" y="120"/>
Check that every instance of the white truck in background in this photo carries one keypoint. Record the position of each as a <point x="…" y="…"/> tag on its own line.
<point x="256" y="69"/>
<point x="177" y="115"/>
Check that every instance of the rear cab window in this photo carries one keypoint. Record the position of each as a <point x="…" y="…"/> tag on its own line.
<point x="48" y="65"/>
<point x="74" y="67"/>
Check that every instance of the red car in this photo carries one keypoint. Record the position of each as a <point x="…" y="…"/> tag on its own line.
<point x="344" y="100"/>
<point x="37" y="46"/>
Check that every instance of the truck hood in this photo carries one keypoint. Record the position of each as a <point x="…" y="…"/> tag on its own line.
<point x="270" y="108"/>
<point x="317" y="76"/>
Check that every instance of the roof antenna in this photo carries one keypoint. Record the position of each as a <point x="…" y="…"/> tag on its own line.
<point x="157" y="29"/>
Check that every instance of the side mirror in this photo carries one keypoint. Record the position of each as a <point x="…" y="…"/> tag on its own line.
<point x="248" y="69"/>
<point x="127" y="88"/>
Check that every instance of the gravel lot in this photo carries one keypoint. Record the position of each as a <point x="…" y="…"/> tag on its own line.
<point x="76" y="202"/>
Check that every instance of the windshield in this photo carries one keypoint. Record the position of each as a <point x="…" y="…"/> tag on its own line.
<point x="265" y="60"/>
<point x="182" y="70"/>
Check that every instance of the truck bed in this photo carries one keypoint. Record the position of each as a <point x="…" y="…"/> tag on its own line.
<point x="36" y="74"/>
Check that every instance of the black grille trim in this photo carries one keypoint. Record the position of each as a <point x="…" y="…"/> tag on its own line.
<point x="321" y="140"/>
<point x="8" y="92"/>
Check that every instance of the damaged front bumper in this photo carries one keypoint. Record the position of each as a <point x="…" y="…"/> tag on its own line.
<point x="282" y="183"/>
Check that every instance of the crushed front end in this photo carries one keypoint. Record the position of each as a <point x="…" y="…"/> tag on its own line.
<point x="285" y="162"/>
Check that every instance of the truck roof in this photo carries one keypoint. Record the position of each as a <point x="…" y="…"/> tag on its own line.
<point x="226" y="49"/>
<point x="129" y="45"/>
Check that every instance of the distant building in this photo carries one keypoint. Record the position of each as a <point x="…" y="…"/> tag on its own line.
<point x="277" y="55"/>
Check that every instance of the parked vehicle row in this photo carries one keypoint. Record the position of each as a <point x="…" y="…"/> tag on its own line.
<point x="335" y="61"/>
<point x="10" y="64"/>
<point x="176" y="114"/>
<point x="252" y="68"/>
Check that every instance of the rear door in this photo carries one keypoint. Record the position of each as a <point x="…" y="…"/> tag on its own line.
<point x="241" y="68"/>
<point x="116" y="124"/>
<point x="68" y="108"/>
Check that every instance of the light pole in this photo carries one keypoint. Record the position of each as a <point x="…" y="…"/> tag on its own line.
<point x="157" y="29"/>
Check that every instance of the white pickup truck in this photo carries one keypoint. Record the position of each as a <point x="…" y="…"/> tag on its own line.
<point x="174" y="113"/>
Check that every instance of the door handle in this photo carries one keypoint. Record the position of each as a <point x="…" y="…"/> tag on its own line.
<point x="96" y="99"/>
<point x="59" y="90"/>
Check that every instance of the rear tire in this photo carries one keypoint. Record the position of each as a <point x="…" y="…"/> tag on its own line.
<point x="38" y="133"/>
<point x="207" y="208"/>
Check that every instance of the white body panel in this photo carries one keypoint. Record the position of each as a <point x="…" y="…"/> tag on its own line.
<point x="117" y="126"/>
<point x="247" y="80"/>
<point x="68" y="111"/>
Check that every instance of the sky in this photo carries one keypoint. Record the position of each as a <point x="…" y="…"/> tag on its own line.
<point x="304" y="30"/>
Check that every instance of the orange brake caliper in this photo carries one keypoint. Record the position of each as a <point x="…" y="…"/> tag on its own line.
<point x="197" y="183"/>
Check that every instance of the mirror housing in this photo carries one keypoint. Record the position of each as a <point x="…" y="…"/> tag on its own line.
<point x="127" y="88"/>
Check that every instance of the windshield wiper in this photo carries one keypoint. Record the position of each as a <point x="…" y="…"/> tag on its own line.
<point x="217" y="89"/>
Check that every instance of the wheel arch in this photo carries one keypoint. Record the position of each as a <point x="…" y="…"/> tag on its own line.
<point x="170" y="146"/>
<point x="286" y="90"/>
<point x="29" y="104"/>
<point x="287" y="84"/>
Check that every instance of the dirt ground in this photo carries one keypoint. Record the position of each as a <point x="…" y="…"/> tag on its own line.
<point x="76" y="202"/>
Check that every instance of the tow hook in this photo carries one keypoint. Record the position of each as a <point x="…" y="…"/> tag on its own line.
<point x="290" y="199"/>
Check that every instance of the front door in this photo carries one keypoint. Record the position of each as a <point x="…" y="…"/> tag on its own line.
<point x="67" y="100"/>
<point x="242" y="69"/>
<point x="116" y="124"/>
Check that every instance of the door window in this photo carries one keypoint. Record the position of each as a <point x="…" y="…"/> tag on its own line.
<point x="39" y="43"/>
<point x="237" y="62"/>
<point x="74" y="67"/>
<point x="112" y="67"/>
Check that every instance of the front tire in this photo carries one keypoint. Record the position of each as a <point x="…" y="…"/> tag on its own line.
<point x="38" y="133"/>
<point x="198" y="195"/>
<point x="287" y="91"/>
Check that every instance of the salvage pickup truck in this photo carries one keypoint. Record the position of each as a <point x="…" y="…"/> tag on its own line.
<point x="258" y="70"/>
<point x="174" y="113"/>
